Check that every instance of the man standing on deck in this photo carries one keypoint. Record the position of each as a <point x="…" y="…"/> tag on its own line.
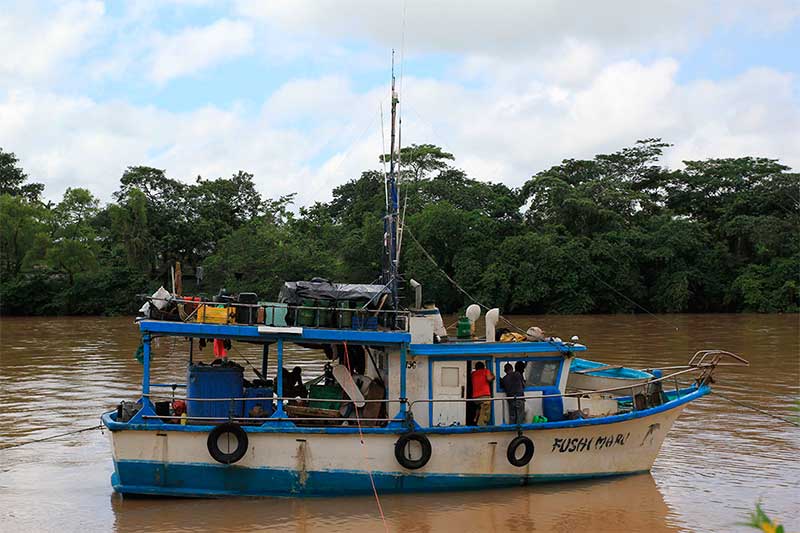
<point x="481" y="379"/>
<point x="514" y="385"/>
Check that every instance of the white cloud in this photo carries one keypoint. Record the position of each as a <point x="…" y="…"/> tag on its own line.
<point x="497" y="131"/>
<point x="196" y="48"/>
<point x="517" y="27"/>
<point x="35" y="47"/>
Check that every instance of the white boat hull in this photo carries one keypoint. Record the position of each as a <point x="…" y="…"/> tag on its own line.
<point x="308" y="462"/>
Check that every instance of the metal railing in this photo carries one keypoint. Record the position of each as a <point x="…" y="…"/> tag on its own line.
<point x="397" y="320"/>
<point x="704" y="362"/>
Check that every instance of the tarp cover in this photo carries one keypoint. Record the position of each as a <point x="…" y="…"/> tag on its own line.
<point x="294" y="292"/>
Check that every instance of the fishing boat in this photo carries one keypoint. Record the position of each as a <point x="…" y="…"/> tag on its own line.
<point x="585" y="375"/>
<point x="393" y="411"/>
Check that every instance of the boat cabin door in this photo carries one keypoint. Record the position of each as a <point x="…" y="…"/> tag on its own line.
<point x="449" y="383"/>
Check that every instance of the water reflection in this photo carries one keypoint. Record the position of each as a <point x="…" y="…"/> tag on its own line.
<point x="581" y="506"/>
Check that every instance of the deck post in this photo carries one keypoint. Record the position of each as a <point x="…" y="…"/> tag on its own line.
<point x="264" y="360"/>
<point x="146" y="365"/>
<point x="403" y="353"/>
<point x="147" y="405"/>
<point x="279" y="412"/>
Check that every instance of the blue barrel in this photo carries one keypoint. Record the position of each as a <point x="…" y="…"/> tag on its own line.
<point x="214" y="382"/>
<point x="553" y="408"/>
<point x="258" y="392"/>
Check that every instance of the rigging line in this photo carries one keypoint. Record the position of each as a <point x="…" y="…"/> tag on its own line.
<point x="352" y="145"/>
<point x="403" y="44"/>
<point x="364" y="447"/>
<point x="763" y="412"/>
<point x="258" y="373"/>
<point x="98" y="426"/>
<point x="601" y="280"/>
<point x="402" y="226"/>
<point x="383" y="158"/>
<point x="401" y="98"/>
<point x="459" y="287"/>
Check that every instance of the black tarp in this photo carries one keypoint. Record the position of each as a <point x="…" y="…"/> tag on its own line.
<point x="294" y="292"/>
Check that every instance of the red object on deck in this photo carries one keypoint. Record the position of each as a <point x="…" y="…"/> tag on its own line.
<point x="219" y="348"/>
<point x="179" y="407"/>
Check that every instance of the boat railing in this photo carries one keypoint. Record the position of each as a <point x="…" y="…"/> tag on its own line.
<point x="699" y="363"/>
<point x="575" y="394"/>
<point x="266" y="399"/>
<point x="703" y="362"/>
<point x="361" y="318"/>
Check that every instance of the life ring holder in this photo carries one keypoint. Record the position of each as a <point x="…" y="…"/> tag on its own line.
<point x="513" y="446"/>
<point x="403" y="442"/>
<point x="227" y="458"/>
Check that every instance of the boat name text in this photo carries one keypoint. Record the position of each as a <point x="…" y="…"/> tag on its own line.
<point x="584" y="444"/>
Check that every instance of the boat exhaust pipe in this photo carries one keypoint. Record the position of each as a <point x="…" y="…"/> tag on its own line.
<point x="492" y="317"/>
<point x="417" y="286"/>
<point x="473" y="314"/>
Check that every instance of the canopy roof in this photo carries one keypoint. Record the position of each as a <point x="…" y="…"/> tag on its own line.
<point x="294" y="292"/>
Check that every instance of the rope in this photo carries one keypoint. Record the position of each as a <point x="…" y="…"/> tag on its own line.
<point x="455" y="283"/>
<point x="364" y="449"/>
<point x="257" y="372"/>
<point x="763" y="412"/>
<point x="52" y="437"/>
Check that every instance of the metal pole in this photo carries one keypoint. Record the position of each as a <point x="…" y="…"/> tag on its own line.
<point x="279" y="377"/>
<point x="264" y="360"/>
<point x="394" y="207"/>
<point x="146" y="365"/>
<point x="403" y="379"/>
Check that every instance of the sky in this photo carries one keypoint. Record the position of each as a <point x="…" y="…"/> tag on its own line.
<point x="297" y="92"/>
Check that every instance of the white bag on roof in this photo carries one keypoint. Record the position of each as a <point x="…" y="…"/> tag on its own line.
<point x="160" y="298"/>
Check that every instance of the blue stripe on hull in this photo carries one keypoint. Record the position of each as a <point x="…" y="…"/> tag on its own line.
<point x="206" y="480"/>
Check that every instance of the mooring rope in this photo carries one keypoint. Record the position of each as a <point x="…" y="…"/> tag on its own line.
<point x="364" y="449"/>
<point x="51" y="437"/>
<point x="762" y="411"/>
<point x="455" y="283"/>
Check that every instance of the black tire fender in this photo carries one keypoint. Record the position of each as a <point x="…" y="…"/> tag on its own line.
<point x="227" y="458"/>
<point x="511" y="453"/>
<point x="400" y="450"/>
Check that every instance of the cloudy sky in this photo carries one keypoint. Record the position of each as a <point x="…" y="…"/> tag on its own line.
<point x="292" y="90"/>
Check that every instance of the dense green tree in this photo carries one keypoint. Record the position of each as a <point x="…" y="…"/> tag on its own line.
<point x="74" y="245"/>
<point x="130" y="229"/>
<point x="614" y="233"/>
<point x="23" y="234"/>
<point x="13" y="178"/>
<point x="420" y="160"/>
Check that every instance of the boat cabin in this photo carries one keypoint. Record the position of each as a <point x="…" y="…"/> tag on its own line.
<point x="380" y="376"/>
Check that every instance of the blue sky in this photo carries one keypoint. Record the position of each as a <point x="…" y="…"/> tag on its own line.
<point x="291" y="91"/>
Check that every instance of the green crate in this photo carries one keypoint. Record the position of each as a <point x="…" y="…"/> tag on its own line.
<point x="325" y="392"/>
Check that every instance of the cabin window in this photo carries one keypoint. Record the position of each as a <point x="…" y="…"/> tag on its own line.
<point x="450" y="376"/>
<point x="541" y="373"/>
<point x="538" y="372"/>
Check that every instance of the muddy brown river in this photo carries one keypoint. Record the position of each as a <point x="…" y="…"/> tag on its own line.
<point x="60" y="374"/>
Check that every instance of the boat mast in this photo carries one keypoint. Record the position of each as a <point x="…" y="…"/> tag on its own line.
<point x="391" y="274"/>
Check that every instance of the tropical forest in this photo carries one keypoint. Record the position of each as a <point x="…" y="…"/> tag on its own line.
<point x="618" y="233"/>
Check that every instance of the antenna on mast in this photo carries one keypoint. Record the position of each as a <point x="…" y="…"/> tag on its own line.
<point x="390" y="226"/>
